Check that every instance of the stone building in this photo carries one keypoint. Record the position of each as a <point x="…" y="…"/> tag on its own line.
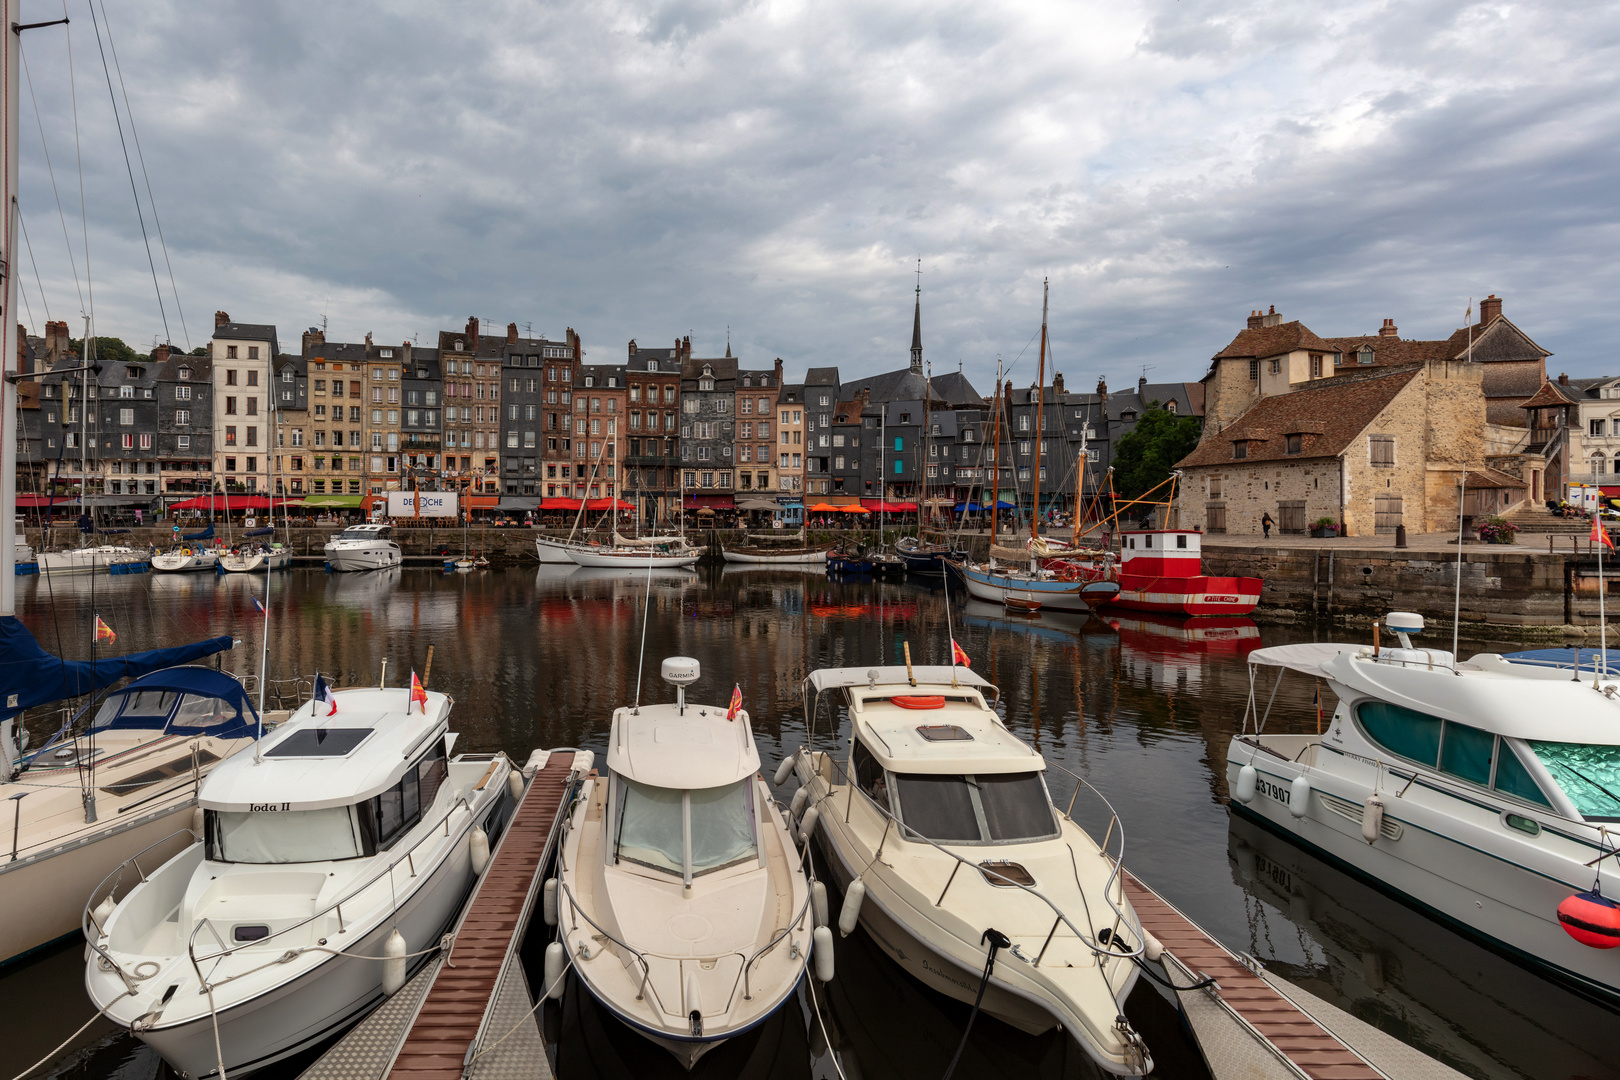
<point x="755" y="456"/>
<point x="708" y="430"/>
<point x="336" y="462"/>
<point x="652" y="477"/>
<point x="384" y="369"/>
<point x="471" y="367"/>
<point x="790" y="441"/>
<point x="557" y="409"/>
<point x="1371" y="450"/>
<point x="242" y="353"/>
<point x="289" y="472"/>
<point x="600" y="410"/>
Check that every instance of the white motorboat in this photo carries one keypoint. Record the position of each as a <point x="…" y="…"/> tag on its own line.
<point x="350" y="838"/>
<point x="636" y="558"/>
<point x="87" y="560"/>
<point x="683" y="904"/>
<point x="97" y="793"/>
<point x="247" y="560"/>
<point x="939" y="826"/>
<point x="363" y="547"/>
<point x="1485" y="792"/>
<point x="184" y="558"/>
<point x="764" y="556"/>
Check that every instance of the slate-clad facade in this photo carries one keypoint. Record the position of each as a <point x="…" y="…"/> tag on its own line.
<point x="708" y="428"/>
<point x="653" y="460"/>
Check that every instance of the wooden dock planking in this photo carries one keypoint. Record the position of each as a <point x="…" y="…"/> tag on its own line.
<point x="449" y="1019"/>
<point x="1314" y="1050"/>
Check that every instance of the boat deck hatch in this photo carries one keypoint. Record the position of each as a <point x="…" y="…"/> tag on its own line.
<point x="251" y="932"/>
<point x="944" y="733"/>
<point x="166" y="771"/>
<point x="1005" y="874"/>
<point x="319" y="742"/>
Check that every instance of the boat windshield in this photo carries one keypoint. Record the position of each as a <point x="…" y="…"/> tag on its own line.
<point x="364" y="532"/>
<point x="1589" y="775"/>
<point x="653" y="827"/>
<point x="283" y="836"/>
<point x="994" y="808"/>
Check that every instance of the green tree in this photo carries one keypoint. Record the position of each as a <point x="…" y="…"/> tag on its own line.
<point x="109" y="350"/>
<point x="1144" y="457"/>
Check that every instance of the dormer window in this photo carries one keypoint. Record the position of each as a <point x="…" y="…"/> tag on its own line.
<point x="747" y="381"/>
<point x="652" y="365"/>
<point x="1293" y="444"/>
<point x="184" y="374"/>
<point x="1240" y="449"/>
<point x="460" y="345"/>
<point x="385" y="353"/>
<point x="132" y="372"/>
<point x="705" y="384"/>
<point x="1365" y="356"/>
<point x="1170" y="407"/>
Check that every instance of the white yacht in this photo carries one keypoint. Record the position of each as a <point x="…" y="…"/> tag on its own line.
<point x="99" y="792"/>
<point x="683" y="904"/>
<point x="363" y="547"/>
<point x="247" y="560"/>
<point x="184" y="558"/>
<point x="351" y="837"/>
<point x="87" y="560"/>
<point x="938" y="824"/>
<point x="637" y="558"/>
<point x="1485" y="792"/>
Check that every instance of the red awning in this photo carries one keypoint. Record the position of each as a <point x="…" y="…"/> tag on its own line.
<point x="35" y="502"/>
<point x="1608" y="493"/>
<point x="552" y="503"/>
<point x="889" y="507"/>
<point x="710" y="502"/>
<point x="221" y="502"/>
<point x="603" y="504"/>
<point x="481" y="502"/>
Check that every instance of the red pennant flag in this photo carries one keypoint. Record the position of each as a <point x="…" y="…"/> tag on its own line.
<point x="1600" y="535"/>
<point x="958" y="656"/>
<point x="105" y="632"/>
<point x="418" y="694"/>
<point x="736" y="702"/>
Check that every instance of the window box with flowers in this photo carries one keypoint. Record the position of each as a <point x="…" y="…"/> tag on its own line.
<point x="1325" y="527"/>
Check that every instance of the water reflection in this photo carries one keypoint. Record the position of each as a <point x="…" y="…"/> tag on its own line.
<point x="1142" y="707"/>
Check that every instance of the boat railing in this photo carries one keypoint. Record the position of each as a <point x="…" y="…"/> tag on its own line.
<point x="336" y="907"/>
<point x="1104" y="944"/>
<point x="798" y="916"/>
<point x="87" y="917"/>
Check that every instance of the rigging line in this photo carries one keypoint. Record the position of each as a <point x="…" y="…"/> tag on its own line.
<point x="38" y="280"/>
<point x="84" y="211"/>
<point x="141" y="157"/>
<point x="51" y="169"/>
<point x="128" y="167"/>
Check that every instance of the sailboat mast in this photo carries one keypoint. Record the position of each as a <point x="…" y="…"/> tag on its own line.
<point x="995" y="465"/>
<point x="8" y="338"/>
<point x="927" y="441"/>
<point x="1079" y="475"/>
<point x="1040" y="423"/>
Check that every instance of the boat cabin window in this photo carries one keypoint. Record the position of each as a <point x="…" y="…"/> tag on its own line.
<point x="685" y="832"/>
<point x="141" y="709"/>
<point x="283" y="836"/>
<point x="195" y="714"/>
<point x="1589" y="775"/>
<point x="869" y="775"/>
<point x="387" y="817"/>
<point x="1454" y="749"/>
<point x="993" y="808"/>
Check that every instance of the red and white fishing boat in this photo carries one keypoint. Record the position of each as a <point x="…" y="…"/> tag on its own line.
<point x="1162" y="570"/>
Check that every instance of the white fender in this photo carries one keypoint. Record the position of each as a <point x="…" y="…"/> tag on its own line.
<point x="394" y="963"/>
<point x="822" y="953"/>
<point x="1247" y="778"/>
<point x="1152" y="947"/>
<point x="514" y="784"/>
<point x="1299" y="796"/>
<point x="797" y="804"/>
<point x="556" y="961"/>
<point x="478" y="848"/>
<point x="102" y="912"/>
<point x="818" y="902"/>
<point x="851" y="914"/>
<point x="807" y="824"/>
<point x="784" y="770"/>
<point x="198" y="820"/>
<point x="1372" y="818"/>
<point x="548" y="901"/>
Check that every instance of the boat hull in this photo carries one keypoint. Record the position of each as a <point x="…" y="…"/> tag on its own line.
<point x="178" y="563"/>
<point x="1503" y="895"/>
<point x="329" y="997"/>
<point x="764" y="558"/>
<point x="362" y="556"/>
<point x="86" y="560"/>
<point x="631" y="560"/>
<point x="1188" y="595"/>
<point x="1052" y="594"/>
<point x="553" y="551"/>
<point x="247" y="564"/>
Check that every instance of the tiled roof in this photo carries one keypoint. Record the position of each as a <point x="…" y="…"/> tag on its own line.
<point x="1550" y="394"/>
<point x="246" y="331"/>
<point x="1486" y="477"/>
<point x="1390" y="350"/>
<point x="1330" y="418"/>
<point x="1262" y="341"/>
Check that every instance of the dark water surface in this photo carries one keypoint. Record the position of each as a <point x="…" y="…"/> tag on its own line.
<point x="1142" y="709"/>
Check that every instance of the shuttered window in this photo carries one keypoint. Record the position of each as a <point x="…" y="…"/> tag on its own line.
<point x="1381" y="449"/>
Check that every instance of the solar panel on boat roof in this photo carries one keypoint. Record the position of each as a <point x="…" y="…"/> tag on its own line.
<point x="944" y="733"/>
<point x="319" y="742"/>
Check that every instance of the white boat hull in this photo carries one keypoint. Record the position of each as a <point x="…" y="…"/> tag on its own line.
<point x="362" y="555"/>
<point x="247" y="564"/>
<point x="175" y="562"/>
<point x="556" y="551"/>
<point x="86" y="560"/>
<point x="817" y="558"/>
<point x="1052" y="594"/>
<point x="632" y="560"/>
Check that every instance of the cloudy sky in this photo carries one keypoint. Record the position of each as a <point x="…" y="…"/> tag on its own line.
<point x="652" y="169"/>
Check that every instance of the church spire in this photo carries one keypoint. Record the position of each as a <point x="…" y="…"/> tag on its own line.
<point x="916" y="325"/>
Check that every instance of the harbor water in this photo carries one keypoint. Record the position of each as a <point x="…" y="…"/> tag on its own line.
<point x="1143" y="708"/>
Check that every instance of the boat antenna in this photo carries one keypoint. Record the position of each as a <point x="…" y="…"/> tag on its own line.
<point x="1456" y="603"/>
<point x="646" y="617"/>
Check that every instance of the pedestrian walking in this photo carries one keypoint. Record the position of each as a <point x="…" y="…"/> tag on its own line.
<point x="1265" y="525"/>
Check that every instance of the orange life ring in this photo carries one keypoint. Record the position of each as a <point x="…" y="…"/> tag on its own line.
<point x="914" y="702"/>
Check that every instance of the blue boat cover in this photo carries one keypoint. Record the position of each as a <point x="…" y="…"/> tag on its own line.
<point x="233" y="721"/>
<point x="260" y="532"/>
<point x="30" y="676"/>
<point x="1566" y="658"/>
<point x="206" y="534"/>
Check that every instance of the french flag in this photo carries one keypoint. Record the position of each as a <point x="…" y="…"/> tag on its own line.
<point x="324" y="696"/>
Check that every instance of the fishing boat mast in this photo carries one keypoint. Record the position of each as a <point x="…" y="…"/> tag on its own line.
<point x="1040" y="424"/>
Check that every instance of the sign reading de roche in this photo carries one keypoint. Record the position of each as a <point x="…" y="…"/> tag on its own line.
<point x="434" y="504"/>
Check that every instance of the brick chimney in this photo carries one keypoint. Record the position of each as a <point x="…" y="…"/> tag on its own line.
<point x="1102" y="384"/>
<point x="472" y="333"/>
<point x="1271" y="318"/>
<point x="405" y="356"/>
<point x="1489" y="308"/>
<point x="686" y="347"/>
<point x="1389" y="329"/>
<point x="511" y="333"/>
<point x="25" y="362"/>
<point x="778" y="372"/>
<point x="573" y="343"/>
<point x="1256" y="320"/>
<point x="1141" y="388"/>
<point x="1057" y="385"/>
<point x="368" y="346"/>
<point x="160" y="353"/>
<point x="632" y="348"/>
<point x="56" y="342"/>
<point x="1563" y="379"/>
<point x="312" y="337"/>
<point x="220" y="318"/>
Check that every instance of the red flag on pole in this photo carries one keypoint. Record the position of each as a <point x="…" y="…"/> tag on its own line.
<point x="105" y="632"/>
<point x="958" y="656"/>
<point x="1600" y="535"/>
<point x="736" y="702"/>
<point x="418" y="694"/>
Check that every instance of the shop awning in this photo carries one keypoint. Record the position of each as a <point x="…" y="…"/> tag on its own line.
<point x="222" y="502"/>
<point x="710" y="502"/>
<point x="596" y="505"/>
<point x="519" y="503"/>
<point x="317" y="502"/>
<point x="758" y="504"/>
<point x="553" y="503"/>
<point x="34" y="502"/>
<point x="889" y="507"/>
<point x="481" y="502"/>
